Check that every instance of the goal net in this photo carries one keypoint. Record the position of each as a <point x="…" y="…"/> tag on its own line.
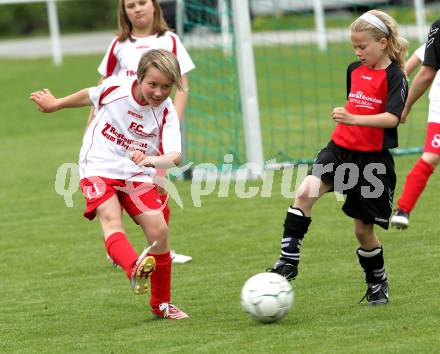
<point x="301" y="53"/>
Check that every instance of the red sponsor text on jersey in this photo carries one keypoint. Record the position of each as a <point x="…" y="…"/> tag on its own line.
<point x="138" y="129"/>
<point x="131" y="72"/>
<point x="136" y="115"/>
<point x="111" y="134"/>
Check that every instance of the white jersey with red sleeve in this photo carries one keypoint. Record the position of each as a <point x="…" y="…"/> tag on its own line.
<point x="122" y="58"/>
<point x="434" y="92"/>
<point x="121" y="125"/>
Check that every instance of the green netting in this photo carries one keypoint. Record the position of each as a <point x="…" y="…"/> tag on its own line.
<point x="298" y="83"/>
<point x="213" y="123"/>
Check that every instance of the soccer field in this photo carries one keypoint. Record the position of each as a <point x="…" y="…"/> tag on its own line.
<point x="60" y="295"/>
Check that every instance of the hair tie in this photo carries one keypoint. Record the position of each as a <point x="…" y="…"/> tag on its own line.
<point x="375" y="21"/>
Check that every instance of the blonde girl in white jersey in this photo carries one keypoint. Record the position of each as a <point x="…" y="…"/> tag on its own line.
<point x="135" y="131"/>
<point x="142" y="27"/>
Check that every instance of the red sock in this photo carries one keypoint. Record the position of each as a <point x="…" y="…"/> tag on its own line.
<point x="121" y="251"/>
<point x="161" y="280"/>
<point x="166" y="209"/>
<point x="414" y="185"/>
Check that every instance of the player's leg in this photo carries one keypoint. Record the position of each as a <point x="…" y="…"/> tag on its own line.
<point x="370" y="255"/>
<point x="117" y="246"/>
<point x="143" y="204"/>
<point x="156" y="231"/>
<point x="415" y="184"/>
<point x="418" y="177"/>
<point x="175" y="257"/>
<point x="121" y="251"/>
<point x="296" y="224"/>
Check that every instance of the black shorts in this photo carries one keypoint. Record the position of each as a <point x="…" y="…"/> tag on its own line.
<point x="367" y="179"/>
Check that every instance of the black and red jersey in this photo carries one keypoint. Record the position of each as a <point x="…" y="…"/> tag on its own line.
<point x="432" y="49"/>
<point x="371" y="92"/>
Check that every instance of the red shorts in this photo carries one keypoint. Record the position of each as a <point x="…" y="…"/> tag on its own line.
<point x="135" y="197"/>
<point x="432" y="140"/>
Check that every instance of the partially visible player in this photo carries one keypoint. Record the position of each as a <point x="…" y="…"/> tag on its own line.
<point x="417" y="178"/>
<point x="142" y="27"/>
<point x="135" y="131"/>
<point x="366" y="128"/>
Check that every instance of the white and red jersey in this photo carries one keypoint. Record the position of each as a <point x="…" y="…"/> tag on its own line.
<point x="122" y="58"/>
<point x="434" y="92"/>
<point x="121" y="125"/>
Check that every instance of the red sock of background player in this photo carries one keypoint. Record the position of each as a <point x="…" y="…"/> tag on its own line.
<point x="121" y="251"/>
<point x="161" y="280"/>
<point x="414" y="185"/>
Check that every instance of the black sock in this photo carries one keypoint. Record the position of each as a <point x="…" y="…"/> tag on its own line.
<point x="295" y="227"/>
<point x="372" y="262"/>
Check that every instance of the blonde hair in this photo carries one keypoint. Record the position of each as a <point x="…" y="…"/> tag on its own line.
<point x="162" y="60"/>
<point x="397" y="45"/>
<point x="125" y="27"/>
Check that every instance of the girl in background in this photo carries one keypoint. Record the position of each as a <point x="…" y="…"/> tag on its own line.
<point x="417" y="178"/>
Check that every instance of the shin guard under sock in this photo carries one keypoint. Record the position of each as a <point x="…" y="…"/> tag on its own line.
<point x="372" y="262"/>
<point x="295" y="227"/>
<point x="161" y="280"/>
<point x="414" y="185"/>
<point x="121" y="251"/>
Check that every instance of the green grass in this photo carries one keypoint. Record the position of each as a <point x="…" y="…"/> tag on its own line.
<point x="60" y="295"/>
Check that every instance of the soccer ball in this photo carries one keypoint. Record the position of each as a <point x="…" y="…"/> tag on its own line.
<point x="267" y="297"/>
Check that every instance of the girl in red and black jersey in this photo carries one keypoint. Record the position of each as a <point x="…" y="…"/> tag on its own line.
<point x="356" y="162"/>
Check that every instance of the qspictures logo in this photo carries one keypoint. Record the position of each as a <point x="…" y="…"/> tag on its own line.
<point x="209" y="179"/>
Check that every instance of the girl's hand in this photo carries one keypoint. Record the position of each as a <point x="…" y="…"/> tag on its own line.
<point x="340" y="115"/>
<point x="140" y="159"/>
<point x="46" y="102"/>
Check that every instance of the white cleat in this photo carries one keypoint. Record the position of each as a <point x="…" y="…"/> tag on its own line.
<point x="400" y="219"/>
<point x="179" y="258"/>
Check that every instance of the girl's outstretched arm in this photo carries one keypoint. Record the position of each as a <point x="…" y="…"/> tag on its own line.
<point x="48" y="103"/>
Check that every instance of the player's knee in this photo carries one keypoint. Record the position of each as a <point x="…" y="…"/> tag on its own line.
<point x="432" y="159"/>
<point x="363" y="231"/>
<point x="304" y="200"/>
<point x="308" y="191"/>
<point x="160" y="233"/>
<point x="111" y="221"/>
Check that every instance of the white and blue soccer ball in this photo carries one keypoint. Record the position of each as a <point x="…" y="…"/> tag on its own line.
<point x="267" y="297"/>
